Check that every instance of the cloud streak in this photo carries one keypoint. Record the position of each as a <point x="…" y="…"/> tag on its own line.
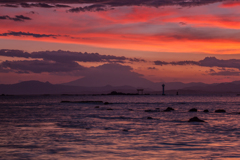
<point x="68" y="56"/>
<point x="30" y="5"/>
<point x="43" y="5"/>
<point x="39" y="66"/>
<point x="16" y="18"/>
<point x="19" y="34"/>
<point x="206" y="62"/>
<point x="226" y="73"/>
<point x="91" y="8"/>
<point x="233" y="64"/>
<point x="161" y="63"/>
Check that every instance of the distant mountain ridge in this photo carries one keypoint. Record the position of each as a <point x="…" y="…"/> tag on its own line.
<point x="137" y="82"/>
<point x="36" y="87"/>
<point x="116" y="80"/>
<point x="218" y="87"/>
<point x="118" y="75"/>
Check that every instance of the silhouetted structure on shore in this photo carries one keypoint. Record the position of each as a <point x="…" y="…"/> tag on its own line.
<point x="163" y="85"/>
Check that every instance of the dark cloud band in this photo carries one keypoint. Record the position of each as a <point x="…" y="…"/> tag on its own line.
<point x="68" y="56"/>
<point x="91" y="8"/>
<point x="39" y="66"/>
<point x="210" y="62"/>
<point x="16" y="18"/>
<point x="100" y="5"/>
<point x="12" y="33"/>
<point x="40" y="4"/>
<point x="206" y="62"/>
<point x="54" y="61"/>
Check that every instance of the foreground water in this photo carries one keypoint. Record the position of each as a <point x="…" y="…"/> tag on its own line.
<point x="41" y="127"/>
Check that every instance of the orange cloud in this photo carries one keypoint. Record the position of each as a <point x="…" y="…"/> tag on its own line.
<point x="130" y="28"/>
<point x="230" y="4"/>
<point x="161" y="43"/>
<point x="135" y="15"/>
<point x="224" y="21"/>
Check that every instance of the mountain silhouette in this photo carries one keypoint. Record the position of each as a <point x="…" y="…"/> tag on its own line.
<point x="114" y="80"/>
<point x="218" y="87"/>
<point x="120" y="75"/>
<point x="134" y="81"/>
<point x="36" y="87"/>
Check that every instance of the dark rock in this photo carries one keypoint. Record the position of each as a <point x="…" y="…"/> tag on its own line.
<point x="109" y="109"/>
<point x="149" y="118"/>
<point x="220" y="111"/>
<point x="195" y="119"/>
<point x="106" y="103"/>
<point x="130" y="109"/>
<point x="206" y="111"/>
<point x="149" y="110"/>
<point x="193" y="110"/>
<point x="65" y="101"/>
<point x="97" y="107"/>
<point x="125" y="130"/>
<point x="169" y="109"/>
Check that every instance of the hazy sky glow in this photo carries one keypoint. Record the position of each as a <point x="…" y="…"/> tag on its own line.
<point x="161" y="40"/>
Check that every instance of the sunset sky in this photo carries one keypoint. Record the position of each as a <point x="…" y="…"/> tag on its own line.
<point x="160" y="40"/>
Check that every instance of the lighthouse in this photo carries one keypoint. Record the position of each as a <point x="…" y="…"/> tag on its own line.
<point x="163" y="85"/>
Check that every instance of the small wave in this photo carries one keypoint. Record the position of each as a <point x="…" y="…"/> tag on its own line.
<point x="118" y="118"/>
<point x="19" y="146"/>
<point x="91" y="102"/>
<point x="72" y="124"/>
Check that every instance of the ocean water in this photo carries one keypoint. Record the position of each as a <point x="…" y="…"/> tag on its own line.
<point x="41" y="127"/>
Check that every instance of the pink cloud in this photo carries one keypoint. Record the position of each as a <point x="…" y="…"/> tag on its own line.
<point x="230" y="4"/>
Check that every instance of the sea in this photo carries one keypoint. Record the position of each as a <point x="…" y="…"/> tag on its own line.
<point x="119" y="127"/>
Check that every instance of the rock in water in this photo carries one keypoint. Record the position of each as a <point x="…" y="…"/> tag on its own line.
<point x="193" y="110"/>
<point x="206" y="111"/>
<point x="220" y="111"/>
<point x="169" y="109"/>
<point x="148" y="110"/>
<point x="106" y="103"/>
<point x="195" y="119"/>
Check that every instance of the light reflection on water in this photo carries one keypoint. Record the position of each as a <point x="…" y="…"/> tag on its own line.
<point x="38" y="127"/>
